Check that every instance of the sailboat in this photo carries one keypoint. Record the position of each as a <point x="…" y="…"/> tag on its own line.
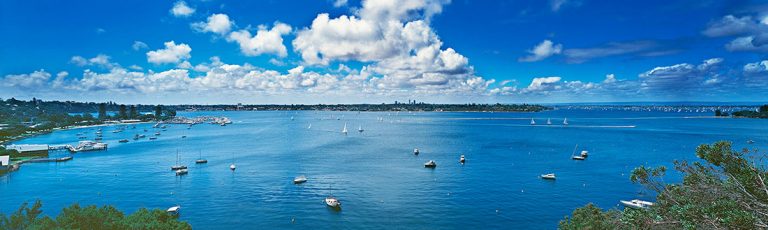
<point x="565" y="121"/>
<point x="232" y="166"/>
<point x="332" y="202"/>
<point x="344" y="131"/>
<point x="310" y="126"/>
<point x="581" y="157"/>
<point x="533" y="122"/>
<point x="201" y="160"/>
<point x="549" y="121"/>
<point x="360" y="129"/>
<point x="178" y="166"/>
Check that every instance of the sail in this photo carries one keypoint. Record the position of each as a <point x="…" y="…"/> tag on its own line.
<point x="345" y="128"/>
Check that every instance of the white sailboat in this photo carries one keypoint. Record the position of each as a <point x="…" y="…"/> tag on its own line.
<point x="310" y="126"/>
<point x="201" y="160"/>
<point x="344" y="131"/>
<point x="178" y="166"/>
<point x="581" y="157"/>
<point x="549" y="121"/>
<point x="533" y="122"/>
<point x="565" y="121"/>
<point x="232" y="166"/>
<point x="360" y="129"/>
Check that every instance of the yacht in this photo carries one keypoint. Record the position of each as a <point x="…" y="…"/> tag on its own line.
<point x="533" y="122"/>
<point x="636" y="203"/>
<point x="332" y="202"/>
<point x="90" y="146"/>
<point x="430" y="164"/>
<point x="180" y="172"/>
<point x="344" y="131"/>
<point x="178" y="166"/>
<point x="462" y="159"/>
<point x="201" y="160"/>
<point x="565" y="121"/>
<point x="299" y="179"/>
<point x="550" y="176"/>
<point x="174" y="210"/>
<point x="416" y="151"/>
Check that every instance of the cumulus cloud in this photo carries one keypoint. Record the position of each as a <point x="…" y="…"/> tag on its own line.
<point x="748" y="43"/>
<point x="181" y="9"/>
<point x="100" y="60"/>
<point x="395" y="40"/>
<point x="541" y="51"/>
<point x="610" y="78"/>
<point x="681" y="78"/>
<point x="139" y="45"/>
<point x="216" y="23"/>
<point x="264" y="42"/>
<point x="27" y="81"/>
<point x="756" y="67"/>
<point x="172" y="53"/>
<point x="542" y="83"/>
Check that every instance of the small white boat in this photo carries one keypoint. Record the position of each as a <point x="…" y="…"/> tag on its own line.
<point x="180" y="172"/>
<point x="157" y="133"/>
<point x="299" y="179"/>
<point x="533" y="122"/>
<point x="360" y="129"/>
<point x="201" y="160"/>
<point x="232" y="167"/>
<point x="549" y="176"/>
<point x="344" y="130"/>
<point x="416" y="151"/>
<point x="291" y="117"/>
<point x="579" y="158"/>
<point x="174" y="209"/>
<point x="462" y="159"/>
<point x="430" y="164"/>
<point x="565" y="121"/>
<point x="178" y="166"/>
<point x="310" y="126"/>
<point x="123" y="141"/>
<point x="549" y="121"/>
<point x="636" y="203"/>
<point x="750" y="142"/>
<point x="332" y="202"/>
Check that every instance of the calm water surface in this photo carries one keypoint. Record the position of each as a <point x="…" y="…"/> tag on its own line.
<point x="379" y="181"/>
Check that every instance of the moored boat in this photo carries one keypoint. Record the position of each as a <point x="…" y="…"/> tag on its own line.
<point x="416" y="151"/>
<point x="333" y="202"/>
<point x="549" y="176"/>
<point x="299" y="179"/>
<point x="462" y="159"/>
<point x="636" y="203"/>
<point x="430" y="164"/>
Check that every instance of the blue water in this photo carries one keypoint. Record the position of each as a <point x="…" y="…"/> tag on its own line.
<point x="380" y="183"/>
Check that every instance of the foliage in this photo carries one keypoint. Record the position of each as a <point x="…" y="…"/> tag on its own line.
<point x="761" y="112"/>
<point x="90" y="217"/>
<point x="726" y="190"/>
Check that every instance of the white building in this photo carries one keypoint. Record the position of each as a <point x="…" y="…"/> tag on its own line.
<point x="5" y="161"/>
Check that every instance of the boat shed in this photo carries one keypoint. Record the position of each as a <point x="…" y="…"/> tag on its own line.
<point x="30" y="150"/>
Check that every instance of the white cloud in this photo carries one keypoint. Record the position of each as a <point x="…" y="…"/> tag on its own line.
<point x="216" y="23"/>
<point x="751" y="31"/>
<point x="139" y="45"/>
<point x="181" y="9"/>
<point x="264" y="42"/>
<point x="745" y="44"/>
<point x="677" y="79"/>
<point x="541" y="51"/>
<point x="557" y="4"/>
<point x="756" y="67"/>
<point x="646" y="48"/>
<point x="100" y="60"/>
<point x="730" y="25"/>
<point x="27" y="81"/>
<point x="172" y="53"/>
<point x="609" y="78"/>
<point x="542" y="83"/>
<point x="339" y="3"/>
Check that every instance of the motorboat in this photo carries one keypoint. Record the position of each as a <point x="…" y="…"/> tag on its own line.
<point x="90" y="146"/>
<point x="462" y="159"/>
<point x="153" y="138"/>
<point x="299" y="179"/>
<point x="639" y="204"/>
<point x="174" y="209"/>
<point x="416" y="151"/>
<point x="549" y="176"/>
<point x="180" y="172"/>
<point x="157" y="133"/>
<point x="360" y="129"/>
<point x="430" y="164"/>
<point x="332" y="202"/>
<point x="232" y="167"/>
<point x="750" y="142"/>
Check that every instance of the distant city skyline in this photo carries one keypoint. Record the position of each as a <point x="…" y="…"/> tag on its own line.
<point x="374" y="51"/>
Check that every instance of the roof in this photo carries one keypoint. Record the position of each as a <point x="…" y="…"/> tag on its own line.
<point x="28" y="148"/>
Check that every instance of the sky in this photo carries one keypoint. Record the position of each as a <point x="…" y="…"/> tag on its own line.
<point x="375" y="51"/>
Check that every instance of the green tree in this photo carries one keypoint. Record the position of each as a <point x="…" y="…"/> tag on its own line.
<point x="90" y="217"/>
<point x="133" y="113"/>
<point x="102" y="111"/>
<point x="726" y="190"/>
<point x="158" y="111"/>
<point x="122" y="112"/>
<point x="763" y="109"/>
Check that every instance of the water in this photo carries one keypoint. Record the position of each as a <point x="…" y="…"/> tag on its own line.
<point x="379" y="181"/>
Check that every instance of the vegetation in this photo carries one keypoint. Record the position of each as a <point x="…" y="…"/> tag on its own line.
<point x="90" y="217"/>
<point x="762" y="112"/>
<point x="726" y="190"/>
<point x="472" y="107"/>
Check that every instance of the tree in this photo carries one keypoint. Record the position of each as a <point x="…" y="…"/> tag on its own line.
<point x="763" y="109"/>
<point x="133" y="113"/>
<point x="727" y="190"/>
<point x="122" y="113"/>
<point x="102" y="111"/>
<point x="158" y="111"/>
<point x="718" y="113"/>
<point x="90" y="217"/>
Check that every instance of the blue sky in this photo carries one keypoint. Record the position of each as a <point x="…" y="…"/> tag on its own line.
<point x="335" y="51"/>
